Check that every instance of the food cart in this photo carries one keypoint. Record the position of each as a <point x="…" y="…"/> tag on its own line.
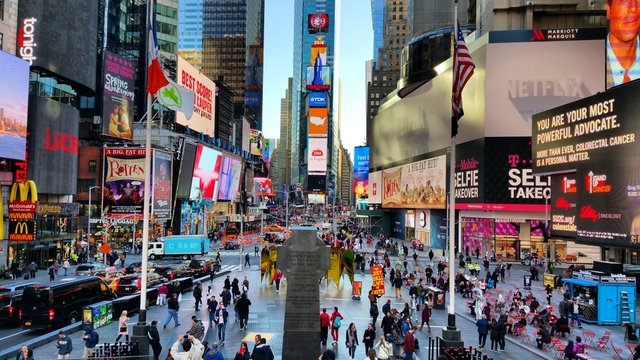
<point x="604" y="299"/>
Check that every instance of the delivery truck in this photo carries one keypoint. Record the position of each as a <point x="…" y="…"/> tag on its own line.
<point x="184" y="246"/>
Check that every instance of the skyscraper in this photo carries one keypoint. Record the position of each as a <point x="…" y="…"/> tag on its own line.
<point x="190" y="14"/>
<point x="377" y="20"/>
<point x="8" y="25"/>
<point x="232" y="45"/>
<point x="302" y="41"/>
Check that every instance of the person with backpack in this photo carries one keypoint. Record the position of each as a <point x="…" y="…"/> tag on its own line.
<point x="197" y="328"/>
<point x="91" y="339"/>
<point x="221" y="321"/>
<point x="213" y="353"/>
<point x="336" y="322"/>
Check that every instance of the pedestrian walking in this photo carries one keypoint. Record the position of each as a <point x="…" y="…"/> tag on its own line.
<point x="430" y="255"/>
<point x="64" y="345"/>
<point x="336" y="322"/>
<point x="172" y="311"/>
<point x="262" y="351"/>
<point x="242" y="306"/>
<point x="549" y="291"/>
<point x="197" y="329"/>
<point x="123" y="326"/>
<point x="277" y="277"/>
<point x="52" y="273"/>
<point x="409" y="344"/>
<point x="197" y="295"/>
<point x="245" y="284"/>
<point x="426" y="317"/>
<point x="213" y="352"/>
<point x="212" y="273"/>
<point x="384" y="350"/>
<point x="91" y="339"/>
<point x="368" y="338"/>
<point x="225" y="297"/>
<point x="397" y="283"/>
<point x="502" y="331"/>
<point x="163" y="290"/>
<point x="212" y="306"/>
<point x="154" y="340"/>
<point x="66" y="265"/>
<point x="494" y="336"/>
<point x="241" y="354"/>
<point x="255" y="251"/>
<point x="351" y="339"/>
<point x="25" y="353"/>
<point x="221" y="321"/>
<point x="227" y="282"/>
<point x="246" y="260"/>
<point x="509" y="269"/>
<point x="325" y="321"/>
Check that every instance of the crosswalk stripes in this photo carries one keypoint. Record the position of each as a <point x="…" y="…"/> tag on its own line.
<point x="231" y="268"/>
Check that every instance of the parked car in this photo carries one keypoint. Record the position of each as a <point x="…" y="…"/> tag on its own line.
<point x="201" y="267"/>
<point x="90" y="269"/>
<point x="179" y="271"/>
<point x="11" y="301"/>
<point x="129" y="284"/>
<point x="232" y="245"/>
<point x="61" y="302"/>
<point x="136" y="267"/>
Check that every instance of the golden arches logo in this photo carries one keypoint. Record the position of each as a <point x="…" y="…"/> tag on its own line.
<point x="21" y="190"/>
<point x="22" y="228"/>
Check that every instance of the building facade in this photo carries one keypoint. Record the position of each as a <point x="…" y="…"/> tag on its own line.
<point x="345" y="193"/>
<point x="8" y="25"/>
<point x="190" y="13"/>
<point x="232" y="46"/>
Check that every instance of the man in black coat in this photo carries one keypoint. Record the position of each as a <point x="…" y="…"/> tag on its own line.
<point x="242" y="306"/>
<point x="154" y="340"/>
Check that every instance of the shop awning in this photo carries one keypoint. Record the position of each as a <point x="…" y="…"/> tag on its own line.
<point x="580" y="282"/>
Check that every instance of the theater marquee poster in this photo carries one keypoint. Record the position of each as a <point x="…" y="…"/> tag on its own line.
<point x="123" y="186"/>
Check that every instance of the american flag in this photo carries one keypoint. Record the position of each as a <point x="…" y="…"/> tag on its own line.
<point x="463" y="67"/>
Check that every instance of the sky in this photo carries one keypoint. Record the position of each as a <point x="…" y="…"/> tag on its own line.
<point x="356" y="47"/>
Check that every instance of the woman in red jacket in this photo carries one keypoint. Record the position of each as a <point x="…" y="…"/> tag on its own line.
<point x="335" y="324"/>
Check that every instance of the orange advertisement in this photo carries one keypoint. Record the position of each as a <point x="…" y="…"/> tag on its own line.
<point x="318" y="121"/>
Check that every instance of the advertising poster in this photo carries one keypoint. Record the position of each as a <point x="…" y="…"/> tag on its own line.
<point x="206" y="173"/>
<point x="564" y="211"/>
<point x="14" y="101"/>
<point x="202" y="120"/>
<point x="123" y="187"/>
<point x="317" y="156"/>
<point x="470" y="165"/>
<point x="622" y="42"/>
<point x="255" y="142"/>
<point x="319" y="50"/>
<point x="229" y="178"/>
<point x="162" y="184"/>
<point x="318" y="78"/>
<point x="377" y="288"/>
<point x="191" y="219"/>
<point x="266" y="151"/>
<point x="318" y="121"/>
<point x="375" y="187"/>
<point x="391" y="181"/>
<point x="421" y="185"/>
<point x="318" y="23"/>
<point x="361" y="171"/>
<point x="317" y="99"/>
<point x="118" y="96"/>
<point x="263" y="187"/>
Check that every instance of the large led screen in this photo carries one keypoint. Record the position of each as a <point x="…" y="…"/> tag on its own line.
<point x="230" y="175"/>
<point x="622" y="42"/>
<point x="206" y="173"/>
<point x="162" y="184"/>
<point x="118" y="96"/>
<point x="187" y="160"/>
<point x="361" y="171"/>
<point x="14" y="97"/>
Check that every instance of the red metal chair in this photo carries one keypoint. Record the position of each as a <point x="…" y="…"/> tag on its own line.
<point x="603" y="341"/>
<point x="617" y="351"/>
<point x="560" y="351"/>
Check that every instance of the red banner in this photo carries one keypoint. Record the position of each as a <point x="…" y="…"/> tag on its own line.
<point x="378" y="280"/>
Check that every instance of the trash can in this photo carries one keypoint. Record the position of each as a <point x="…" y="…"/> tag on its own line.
<point x="550" y="279"/>
<point x="98" y="314"/>
<point x="527" y="282"/>
<point x="438" y="297"/>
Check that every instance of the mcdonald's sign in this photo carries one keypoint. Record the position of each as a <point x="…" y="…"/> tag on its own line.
<point x="23" y="203"/>
<point x="22" y="230"/>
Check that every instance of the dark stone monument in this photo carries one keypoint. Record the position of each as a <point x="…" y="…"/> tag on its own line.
<point x="304" y="259"/>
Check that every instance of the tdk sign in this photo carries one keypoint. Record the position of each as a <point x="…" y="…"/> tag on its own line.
<point x="318" y="99"/>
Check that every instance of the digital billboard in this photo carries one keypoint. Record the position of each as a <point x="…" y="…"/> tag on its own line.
<point x="230" y="175"/>
<point x="53" y="145"/>
<point x="317" y="183"/>
<point x="316" y="199"/>
<point x="203" y="118"/>
<point x="318" y="54"/>
<point x="262" y="187"/>
<point x="318" y="99"/>
<point x="317" y="155"/>
<point x="421" y="184"/>
<point x="123" y="182"/>
<point x="187" y="159"/>
<point x="14" y="102"/>
<point x="375" y="187"/>
<point x="318" y="23"/>
<point x="59" y="37"/>
<point x="162" y="184"/>
<point x="318" y="78"/>
<point x="255" y="142"/>
<point x="361" y="171"/>
<point x="206" y="173"/>
<point x="118" y="96"/>
<point x="564" y="210"/>
<point x="623" y="51"/>
<point x="318" y="121"/>
<point x="597" y="139"/>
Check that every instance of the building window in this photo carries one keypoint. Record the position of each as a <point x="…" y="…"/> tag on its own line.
<point x="1" y="38"/>
<point x="1" y="17"/>
<point x="93" y="166"/>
